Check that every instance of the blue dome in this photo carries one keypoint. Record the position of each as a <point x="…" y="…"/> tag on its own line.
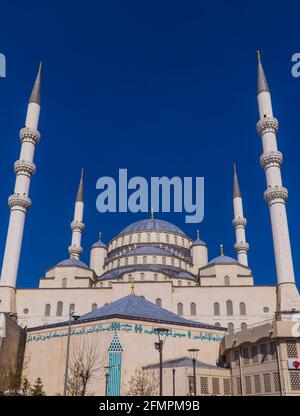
<point x="223" y="259"/>
<point x="148" y="250"/>
<point x="198" y="242"/>
<point x="99" y="243"/>
<point x="73" y="262"/>
<point x="152" y="225"/>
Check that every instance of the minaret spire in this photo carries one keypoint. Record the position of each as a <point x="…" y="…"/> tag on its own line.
<point x="19" y="202"/>
<point x="77" y="226"/>
<point x="262" y="83"/>
<point x="239" y="223"/>
<point x="276" y="196"/>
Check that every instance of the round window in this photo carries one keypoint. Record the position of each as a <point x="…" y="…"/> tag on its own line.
<point x="266" y="309"/>
<point x="26" y="310"/>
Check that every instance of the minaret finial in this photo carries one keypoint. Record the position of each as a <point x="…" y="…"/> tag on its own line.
<point x="222" y="249"/>
<point x="262" y="83"/>
<point x="132" y="286"/>
<point x="36" y="91"/>
<point x="100" y="235"/>
<point x="79" y="196"/>
<point x="152" y="214"/>
<point x="198" y="234"/>
<point x="236" y="188"/>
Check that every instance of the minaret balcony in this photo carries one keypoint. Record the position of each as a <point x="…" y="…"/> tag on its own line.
<point x="77" y="226"/>
<point x="239" y="222"/>
<point x="75" y="251"/>
<point x="276" y="194"/>
<point x="267" y="125"/>
<point x="273" y="158"/>
<point x="241" y="247"/>
<point x="22" y="167"/>
<point x="19" y="202"/>
<point x="30" y="135"/>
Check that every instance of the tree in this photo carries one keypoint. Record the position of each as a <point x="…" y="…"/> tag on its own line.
<point x="143" y="383"/>
<point x="26" y="387"/>
<point x="84" y="365"/>
<point x="37" y="389"/>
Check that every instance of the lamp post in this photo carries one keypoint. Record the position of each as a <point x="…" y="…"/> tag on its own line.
<point x="159" y="347"/>
<point x="193" y="355"/>
<point x="72" y="315"/>
<point x="173" y="376"/>
<point x="106" y="379"/>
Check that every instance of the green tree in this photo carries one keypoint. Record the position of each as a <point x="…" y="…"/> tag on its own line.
<point x="37" y="389"/>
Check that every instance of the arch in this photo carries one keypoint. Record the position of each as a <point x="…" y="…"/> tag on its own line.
<point x="72" y="307"/>
<point x="64" y="282"/>
<point x="179" y="309"/>
<point x="154" y="258"/>
<point x="217" y="324"/>
<point x="47" y="309"/>
<point x="243" y="326"/>
<point x="242" y="308"/>
<point x="230" y="327"/>
<point x="227" y="281"/>
<point x="179" y="283"/>
<point x="142" y="276"/>
<point x="126" y="261"/>
<point x="135" y="260"/>
<point x="164" y="260"/>
<point x="144" y="259"/>
<point x="148" y="237"/>
<point x="216" y="308"/>
<point x="158" y="302"/>
<point x="229" y="307"/>
<point x="59" y="308"/>
<point x="94" y="306"/>
<point x="155" y="276"/>
<point x="167" y="238"/>
<point x="193" y="309"/>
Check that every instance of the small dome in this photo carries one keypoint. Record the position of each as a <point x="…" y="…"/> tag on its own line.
<point x="198" y="242"/>
<point x="99" y="243"/>
<point x="223" y="259"/>
<point x="151" y="225"/>
<point x="72" y="262"/>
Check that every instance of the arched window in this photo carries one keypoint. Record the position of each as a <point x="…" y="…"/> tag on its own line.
<point x="193" y="309"/>
<point x="139" y="238"/>
<point x="142" y="276"/>
<point x="216" y="308"/>
<point x="47" y="309"/>
<point x="64" y="283"/>
<point x="110" y="283"/>
<point x="242" y="308"/>
<point x="148" y="237"/>
<point x="129" y="277"/>
<point x="154" y="259"/>
<point x="72" y="307"/>
<point x="158" y="302"/>
<point x="130" y="239"/>
<point x="158" y="237"/>
<point x="217" y="324"/>
<point x="126" y="261"/>
<point x="155" y="276"/>
<point x="243" y="326"/>
<point x="167" y="238"/>
<point x="94" y="306"/>
<point x="135" y="260"/>
<point x="230" y="327"/>
<point x="172" y="261"/>
<point x="59" y="309"/>
<point x="229" y="307"/>
<point x="144" y="259"/>
<point x="164" y="260"/>
<point x="227" y="281"/>
<point x="179" y="283"/>
<point x="180" y="309"/>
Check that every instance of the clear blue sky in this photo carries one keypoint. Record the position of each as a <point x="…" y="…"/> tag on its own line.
<point x="161" y="88"/>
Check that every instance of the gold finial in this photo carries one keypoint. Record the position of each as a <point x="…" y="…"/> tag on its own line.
<point x="258" y="55"/>
<point x="152" y="213"/>
<point x="198" y="235"/>
<point x="132" y="286"/>
<point x="222" y="249"/>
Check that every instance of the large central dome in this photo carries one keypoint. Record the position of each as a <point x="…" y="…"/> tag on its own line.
<point x="152" y="225"/>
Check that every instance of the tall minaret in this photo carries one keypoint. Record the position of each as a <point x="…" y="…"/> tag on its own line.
<point x="241" y="246"/>
<point x="19" y="202"/>
<point x="77" y="226"/>
<point x="276" y="196"/>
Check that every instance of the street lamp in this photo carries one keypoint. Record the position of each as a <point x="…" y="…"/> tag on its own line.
<point x="193" y="355"/>
<point x="159" y="347"/>
<point x="75" y="317"/>
<point x="174" y="366"/>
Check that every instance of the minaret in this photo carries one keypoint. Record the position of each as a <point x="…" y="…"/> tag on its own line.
<point x="77" y="226"/>
<point x="276" y="196"/>
<point x="19" y="202"/>
<point x="239" y="223"/>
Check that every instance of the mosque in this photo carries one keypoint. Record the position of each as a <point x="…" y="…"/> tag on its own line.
<point x="152" y="278"/>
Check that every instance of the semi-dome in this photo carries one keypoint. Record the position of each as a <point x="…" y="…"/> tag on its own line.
<point x="152" y="225"/>
<point x="73" y="263"/>
<point x="222" y="259"/>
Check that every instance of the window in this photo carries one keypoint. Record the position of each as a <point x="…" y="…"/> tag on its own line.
<point x="47" y="309"/>
<point x="243" y="326"/>
<point x="254" y="355"/>
<point x="179" y="283"/>
<point x="217" y="324"/>
<point x="167" y="238"/>
<point x="175" y="239"/>
<point x="266" y="309"/>
<point x="227" y="386"/>
<point x="129" y="277"/>
<point x="158" y="302"/>
<point x="142" y="276"/>
<point x="230" y="327"/>
<point x="154" y="259"/>
<point x="94" y="306"/>
<point x="164" y="260"/>
<point x="130" y="239"/>
<point x="245" y="355"/>
<point x="25" y="311"/>
<point x="248" y="385"/>
<point x="135" y="260"/>
<point x="180" y="309"/>
<point x="257" y="384"/>
<point x="139" y="238"/>
<point x="229" y="307"/>
<point x="172" y="261"/>
<point x="59" y="309"/>
<point x="204" y="386"/>
<point x="276" y="381"/>
<point x="273" y="350"/>
<point x="110" y="283"/>
<point x="295" y="380"/>
<point x="237" y="358"/>
<point x="291" y="349"/>
<point x="216" y="308"/>
<point x="148" y="237"/>
<point x="227" y="281"/>
<point x="193" y="308"/>
<point x="158" y="237"/>
<point x="242" y="308"/>
<point x="126" y="261"/>
<point x="64" y="283"/>
<point x="72" y="307"/>
<point x="264" y="352"/>
<point x="238" y="386"/>
<point x="215" y="385"/>
<point x="155" y="276"/>
<point x="267" y="382"/>
<point x="144" y="259"/>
